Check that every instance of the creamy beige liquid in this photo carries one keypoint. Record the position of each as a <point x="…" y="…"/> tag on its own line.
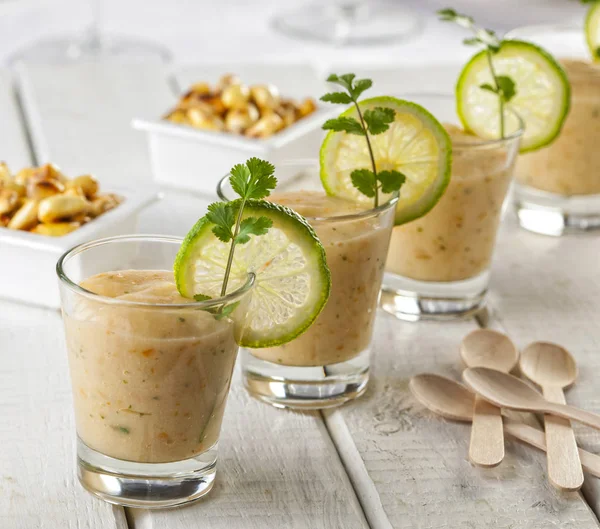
<point x="571" y="164"/>
<point x="456" y="239"/>
<point x="356" y="253"/>
<point x="149" y="385"/>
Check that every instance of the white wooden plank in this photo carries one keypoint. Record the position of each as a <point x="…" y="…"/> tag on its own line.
<point x="13" y="142"/>
<point x="418" y="463"/>
<point x="276" y="468"/>
<point x="547" y="288"/>
<point x="80" y="115"/>
<point x="38" y="485"/>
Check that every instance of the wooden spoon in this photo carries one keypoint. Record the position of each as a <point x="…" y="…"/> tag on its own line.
<point x="507" y="391"/>
<point x="553" y="368"/>
<point x="454" y="401"/>
<point x="492" y="349"/>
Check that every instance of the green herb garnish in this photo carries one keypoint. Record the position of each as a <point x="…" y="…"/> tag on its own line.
<point x="370" y="123"/>
<point x="253" y="180"/>
<point x="122" y="429"/>
<point x="504" y="87"/>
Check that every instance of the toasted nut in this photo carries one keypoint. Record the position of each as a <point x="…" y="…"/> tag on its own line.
<point x="236" y="96"/>
<point x="238" y="120"/>
<point x="21" y="190"/>
<point x="308" y="106"/>
<point x="266" y="126"/>
<point x="265" y="96"/>
<point x="4" y="220"/>
<point x="178" y="116"/>
<point x="56" y="229"/>
<point x="215" y="104"/>
<point x="26" y="216"/>
<point x="201" y="120"/>
<point x="103" y="203"/>
<point x="74" y="192"/>
<point x="41" y="185"/>
<point x="226" y="80"/>
<point x="87" y="183"/>
<point x="61" y="207"/>
<point x="5" y="174"/>
<point x="9" y="200"/>
<point x="287" y="112"/>
<point x="200" y="88"/>
<point x="24" y="175"/>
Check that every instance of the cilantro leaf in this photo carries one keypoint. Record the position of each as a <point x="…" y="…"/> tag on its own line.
<point x="226" y="311"/>
<point x="507" y="87"/>
<point x="201" y="297"/>
<point x="345" y="124"/>
<point x="221" y="215"/>
<point x="472" y="41"/>
<point x="254" y="179"/>
<point x="364" y="181"/>
<point x="488" y="87"/>
<point x="338" y="98"/>
<point x="360" y="86"/>
<point x="342" y="80"/>
<point x="379" y="119"/>
<point x="390" y="180"/>
<point x="252" y="226"/>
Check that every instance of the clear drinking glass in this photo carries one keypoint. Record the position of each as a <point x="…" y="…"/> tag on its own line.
<point x="150" y="379"/>
<point x="94" y="44"/>
<point x="558" y="187"/>
<point x="328" y="364"/>
<point x="438" y="266"/>
<point x="350" y="22"/>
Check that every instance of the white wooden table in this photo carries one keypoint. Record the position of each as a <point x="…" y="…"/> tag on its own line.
<point x="381" y="462"/>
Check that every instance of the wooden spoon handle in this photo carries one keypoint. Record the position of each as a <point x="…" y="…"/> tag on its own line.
<point x="576" y="414"/>
<point x="487" y="435"/>
<point x="535" y="437"/>
<point x="564" y="465"/>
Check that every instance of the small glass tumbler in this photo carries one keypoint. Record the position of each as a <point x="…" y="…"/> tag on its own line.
<point x="329" y="363"/>
<point x="150" y="378"/>
<point x="558" y="187"/>
<point x="438" y="266"/>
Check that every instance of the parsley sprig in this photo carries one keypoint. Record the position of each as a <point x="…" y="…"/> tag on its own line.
<point x="370" y="123"/>
<point x="504" y="87"/>
<point x="253" y="180"/>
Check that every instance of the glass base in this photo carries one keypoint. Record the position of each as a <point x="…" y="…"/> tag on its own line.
<point x="551" y="214"/>
<point x="146" y="485"/>
<point x="72" y="49"/>
<point x="307" y="388"/>
<point x="411" y="300"/>
<point x="349" y="22"/>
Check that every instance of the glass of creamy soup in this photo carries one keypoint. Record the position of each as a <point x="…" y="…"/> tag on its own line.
<point x="438" y="266"/>
<point x="329" y="363"/>
<point x="150" y="371"/>
<point x="558" y="187"/>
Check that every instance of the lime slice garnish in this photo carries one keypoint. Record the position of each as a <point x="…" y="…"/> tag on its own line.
<point x="542" y="96"/>
<point x="292" y="279"/>
<point x="416" y="144"/>
<point x="592" y="30"/>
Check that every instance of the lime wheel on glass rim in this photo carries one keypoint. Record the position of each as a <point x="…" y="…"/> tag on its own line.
<point x="415" y="144"/>
<point x="542" y="97"/>
<point x="292" y="281"/>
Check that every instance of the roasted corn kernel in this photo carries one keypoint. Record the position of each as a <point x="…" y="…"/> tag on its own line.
<point x="56" y="229"/>
<point x="60" y="207"/>
<point x="25" y="217"/>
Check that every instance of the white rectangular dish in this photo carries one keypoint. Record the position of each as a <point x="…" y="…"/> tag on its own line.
<point x="187" y="158"/>
<point x="28" y="260"/>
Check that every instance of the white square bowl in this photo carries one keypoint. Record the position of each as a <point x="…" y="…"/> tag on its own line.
<point x="187" y="158"/>
<point x="28" y="260"/>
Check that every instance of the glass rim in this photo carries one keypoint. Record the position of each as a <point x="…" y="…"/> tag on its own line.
<point x="484" y="143"/>
<point x="372" y="212"/>
<point x="201" y="305"/>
